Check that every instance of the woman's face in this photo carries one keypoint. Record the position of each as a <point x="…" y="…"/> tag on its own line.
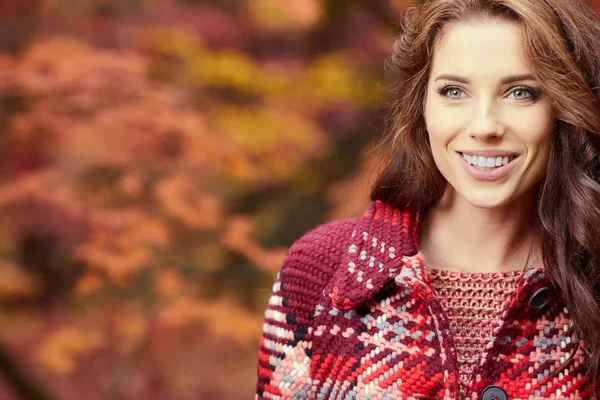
<point x="488" y="122"/>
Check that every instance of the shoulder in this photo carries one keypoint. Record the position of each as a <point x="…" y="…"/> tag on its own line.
<point x="285" y="345"/>
<point x="308" y="267"/>
<point x="351" y="258"/>
<point x="316" y="255"/>
<point x="327" y="242"/>
<point x="328" y="238"/>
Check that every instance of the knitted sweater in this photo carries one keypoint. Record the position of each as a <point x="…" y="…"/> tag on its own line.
<point x="352" y="316"/>
<point x="473" y="303"/>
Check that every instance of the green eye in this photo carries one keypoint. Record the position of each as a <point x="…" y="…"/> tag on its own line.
<point x="523" y="94"/>
<point x="452" y="92"/>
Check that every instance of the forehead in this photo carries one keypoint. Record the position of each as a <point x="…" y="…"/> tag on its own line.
<point x="480" y="48"/>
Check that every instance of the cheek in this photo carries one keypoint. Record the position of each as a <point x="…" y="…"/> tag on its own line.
<point x="539" y="146"/>
<point x="439" y="123"/>
<point x="441" y="131"/>
<point x="539" y="137"/>
<point x="541" y="152"/>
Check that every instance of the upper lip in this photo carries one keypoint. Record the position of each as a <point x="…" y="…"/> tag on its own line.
<point x="489" y="153"/>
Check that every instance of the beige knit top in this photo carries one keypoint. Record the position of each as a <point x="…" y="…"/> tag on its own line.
<point x="474" y="303"/>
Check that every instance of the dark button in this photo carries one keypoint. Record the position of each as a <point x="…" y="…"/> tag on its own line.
<point x="540" y="298"/>
<point x="494" y="393"/>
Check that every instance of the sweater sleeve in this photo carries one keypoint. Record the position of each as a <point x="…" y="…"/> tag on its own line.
<point x="284" y="359"/>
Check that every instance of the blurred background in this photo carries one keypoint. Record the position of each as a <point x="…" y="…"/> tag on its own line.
<point x="157" y="159"/>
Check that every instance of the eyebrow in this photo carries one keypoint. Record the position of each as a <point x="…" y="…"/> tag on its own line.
<point x="504" y="81"/>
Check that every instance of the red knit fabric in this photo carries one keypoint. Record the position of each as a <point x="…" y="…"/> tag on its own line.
<point x="473" y="303"/>
<point x="352" y="316"/>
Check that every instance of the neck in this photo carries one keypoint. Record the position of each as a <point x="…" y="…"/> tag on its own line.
<point x="456" y="235"/>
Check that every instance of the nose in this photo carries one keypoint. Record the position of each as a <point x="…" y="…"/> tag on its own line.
<point x="484" y="123"/>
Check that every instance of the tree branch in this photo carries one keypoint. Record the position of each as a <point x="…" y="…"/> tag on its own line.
<point x="23" y="385"/>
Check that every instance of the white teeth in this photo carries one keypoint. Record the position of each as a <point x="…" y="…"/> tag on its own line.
<point x="487" y="164"/>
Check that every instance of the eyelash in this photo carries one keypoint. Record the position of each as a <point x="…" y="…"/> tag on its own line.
<point x="532" y="92"/>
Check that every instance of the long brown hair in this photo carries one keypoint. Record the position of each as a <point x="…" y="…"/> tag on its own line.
<point x="561" y="40"/>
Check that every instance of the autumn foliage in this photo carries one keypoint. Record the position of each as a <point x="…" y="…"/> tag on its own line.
<point x="157" y="159"/>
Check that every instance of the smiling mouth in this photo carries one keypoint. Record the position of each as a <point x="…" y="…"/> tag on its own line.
<point x="487" y="163"/>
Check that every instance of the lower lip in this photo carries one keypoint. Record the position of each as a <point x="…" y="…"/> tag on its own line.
<point x="488" y="176"/>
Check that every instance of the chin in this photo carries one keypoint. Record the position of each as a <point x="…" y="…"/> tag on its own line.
<point x="486" y="199"/>
<point x="485" y="202"/>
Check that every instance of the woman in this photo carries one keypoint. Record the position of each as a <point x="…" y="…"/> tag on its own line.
<point x="474" y="274"/>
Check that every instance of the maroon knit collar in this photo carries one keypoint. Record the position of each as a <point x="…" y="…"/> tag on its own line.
<point x="383" y="246"/>
<point x="378" y="243"/>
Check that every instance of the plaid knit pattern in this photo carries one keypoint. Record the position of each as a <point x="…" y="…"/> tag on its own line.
<point x="353" y="316"/>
